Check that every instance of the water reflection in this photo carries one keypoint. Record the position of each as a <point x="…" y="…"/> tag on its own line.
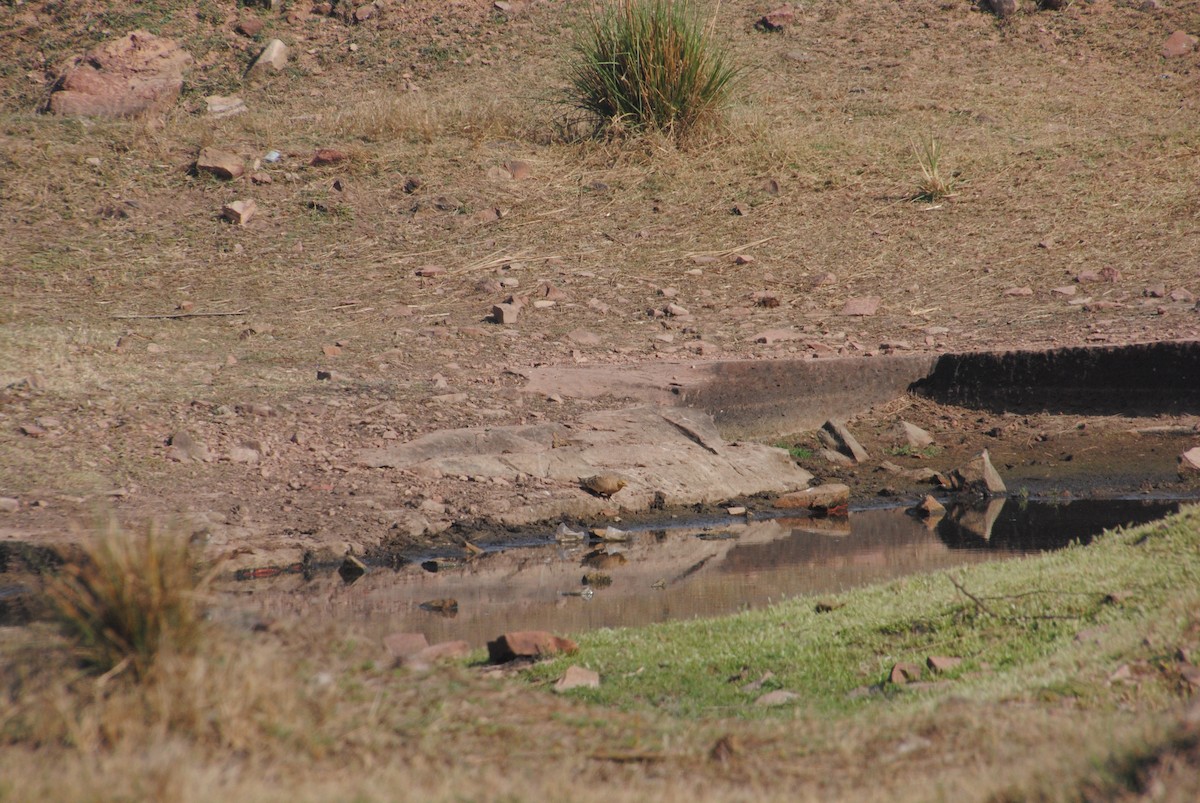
<point x="681" y="573"/>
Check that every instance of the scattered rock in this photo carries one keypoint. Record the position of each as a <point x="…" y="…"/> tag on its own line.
<point x="251" y="26"/>
<point x="239" y="212"/>
<point x="941" y="663"/>
<point x="9" y="504"/>
<point x="777" y="697"/>
<point x="913" y="436"/>
<point x="443" y="605"/>
<point x="1178" y="44"/>
<point x="184" y="447"/>
<point x="777" y="20"/>
<point x="219" y="106"/>
<point x="240" y="454"/>
<point x="1181" y="296"/>
<point x="273" y="58"/>
<point x="364" y="12"/>
<point x="32" y="430"/>
<point x="835" y="435"/>
<point x="584" y="337"/>
<point x="675" y="311"/>
<point x="1001" y="8"/>
<point x="435" y="653"/>
<point x="1107" y="274"/>
<point x="577" y="677"/>
<point x="836" y="458"/>
<point x="1019" y="291"/>
<point x="505" y="313"/>
<point x="905" y="673"/>
<point x="929" y="508"/>
<point x="137" y="73"/>
<point x="604" y="485"/>
<point x="518" y="169"/>
<point x="403" y="646"/>
<point x="1068" y="290"/>
<point x="1189" y="461"/>
<point x="222" y="164"/>
<point x="528" y="644"/>
<point x="830" y="496"/>
<point x="979" y="476"/>
<point x="773" y="336"/>
<point x="861" y="307"/>
<point x="328" y="156"/>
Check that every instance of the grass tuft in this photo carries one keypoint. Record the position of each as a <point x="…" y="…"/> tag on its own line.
<point x="651" y="65"/>
<point x="126" y="599"/>
<point x="934" y="186"/>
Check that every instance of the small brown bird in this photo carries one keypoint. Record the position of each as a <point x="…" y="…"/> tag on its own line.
<point x="603" y="484"/>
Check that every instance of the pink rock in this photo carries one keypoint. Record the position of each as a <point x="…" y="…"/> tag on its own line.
<point x="861" y="307"/>
<point x="1178" y="44"/>
<point x="505" y="313"/>
<point x="1019" y="291"/>
<point x="528" y="644"/>
<point x="941" y="663"/>
<point x="777" y="20"/>
<point x="405" y="645"/>
<point x="442" y="651"/>
<point x="577" y="677"/>
<point x="772" y="336"/>
<point x="1190" y="460"/>
<point x="328" y="156"/>
<point x="824" y="497"/>
<point x="222" y="164"/>
<point x="136" y="73"/>
<point x="905" y="673"/>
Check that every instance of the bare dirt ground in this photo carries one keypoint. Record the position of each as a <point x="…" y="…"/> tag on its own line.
<point x="352" y="311"/>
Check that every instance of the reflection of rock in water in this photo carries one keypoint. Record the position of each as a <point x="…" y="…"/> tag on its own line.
<point x="970" y="525"/>
<point x="1034" y="526"/>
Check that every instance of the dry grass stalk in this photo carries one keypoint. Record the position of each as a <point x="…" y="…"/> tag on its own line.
<point x="125" y="599"/>
<point x="934" y="186"/>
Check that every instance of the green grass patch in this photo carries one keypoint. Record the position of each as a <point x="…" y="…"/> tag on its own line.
<point x="651" y="65"/>
<point x="1013" y="624"/>
<point x="797" y="451"/>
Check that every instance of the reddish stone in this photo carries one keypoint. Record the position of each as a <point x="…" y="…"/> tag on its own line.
<point x="824" y="497"/>
<point x="942" y="663"/>
<point x="577" y="677"/>
<point x="861" y="307"/>
<point x="1178" y="44"/>
<point x="136" y="73"/>
<point x="905" y="673"/>
<point x="777" y="20"/>
<point x="251" y="26"/>
<point x="405" y="645"/>
<point x="327" y="156"/>
<point x="528" y="644"/>
<point x="442" y="651"/>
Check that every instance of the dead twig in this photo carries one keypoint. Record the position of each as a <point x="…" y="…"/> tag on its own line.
<point x="981" y="605"/>
<point x="176" y="315"/>
<point x="978" y="602"/>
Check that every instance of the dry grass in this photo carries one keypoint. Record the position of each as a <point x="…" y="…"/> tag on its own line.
<point x="129" y="600"/>
<point x="1072" y="129"/>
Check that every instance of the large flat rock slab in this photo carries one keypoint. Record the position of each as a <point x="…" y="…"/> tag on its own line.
<point x="668" y="457"/>
<point x="748" y="398"/>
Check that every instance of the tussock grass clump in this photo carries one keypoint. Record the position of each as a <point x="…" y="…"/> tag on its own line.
<point x="651" y="65"/>
<point x="126" y="598"/>
<point x="934" y="185"/>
